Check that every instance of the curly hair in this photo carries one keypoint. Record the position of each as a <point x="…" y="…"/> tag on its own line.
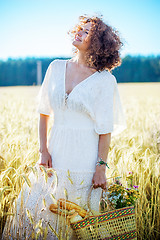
<point x="104" y="50"/>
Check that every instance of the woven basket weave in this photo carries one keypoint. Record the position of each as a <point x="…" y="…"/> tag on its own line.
<point x="116" y="224"/>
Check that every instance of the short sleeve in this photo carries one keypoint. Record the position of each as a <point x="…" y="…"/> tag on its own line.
<point x="109" y="114"/>
<point x="44" y="106"/>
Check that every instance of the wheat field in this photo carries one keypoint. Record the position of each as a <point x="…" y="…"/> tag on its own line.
<point x="137" y="149"/>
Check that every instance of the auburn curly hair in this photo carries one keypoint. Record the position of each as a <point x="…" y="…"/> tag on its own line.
<point x="104" y="50"/>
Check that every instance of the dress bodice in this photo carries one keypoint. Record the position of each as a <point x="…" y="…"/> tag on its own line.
<point x="96" y="99"/>
<point x="72" y="119"/>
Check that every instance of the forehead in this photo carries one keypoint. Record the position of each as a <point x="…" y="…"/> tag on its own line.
<point x="87" y="25"/>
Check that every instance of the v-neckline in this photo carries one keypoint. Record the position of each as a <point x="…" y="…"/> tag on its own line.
<point x="77" y="85"/>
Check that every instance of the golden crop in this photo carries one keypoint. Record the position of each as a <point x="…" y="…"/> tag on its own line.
<point x="137" y="149"/>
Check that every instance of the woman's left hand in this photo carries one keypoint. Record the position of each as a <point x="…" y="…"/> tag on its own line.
<point x="99" y="177"/>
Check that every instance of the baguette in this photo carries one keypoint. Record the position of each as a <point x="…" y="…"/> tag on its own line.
<point x="66" y="204"/>
<point x="54" y="208"/>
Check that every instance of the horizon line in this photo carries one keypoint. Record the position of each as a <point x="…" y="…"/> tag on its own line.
<point x="65" y="56"/>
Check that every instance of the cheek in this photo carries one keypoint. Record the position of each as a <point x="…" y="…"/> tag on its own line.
<point x="87" y="42"/>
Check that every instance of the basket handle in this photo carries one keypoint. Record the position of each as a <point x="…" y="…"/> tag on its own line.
<point x="89" y="199"/>
<point x="89" y="196"/>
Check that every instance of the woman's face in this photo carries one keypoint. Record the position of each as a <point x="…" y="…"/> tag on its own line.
<point x="82" y="37"/>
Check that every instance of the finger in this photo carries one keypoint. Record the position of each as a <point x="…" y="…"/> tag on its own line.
<point x="95" y="185"/>
<point x="103" y="183"/>
<point x="42" y="164"/>
<point x="104" y="187"/>
<point x="49" y="172"/>
<point x="50" y="163"/>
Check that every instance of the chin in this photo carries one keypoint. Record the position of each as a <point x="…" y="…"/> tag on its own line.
<point x="74" y="43"/>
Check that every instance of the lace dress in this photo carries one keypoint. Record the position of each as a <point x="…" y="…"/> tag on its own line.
<point x="92" y="108"/>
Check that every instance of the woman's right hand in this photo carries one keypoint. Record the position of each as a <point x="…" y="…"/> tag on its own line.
<point x="46" y="161"/>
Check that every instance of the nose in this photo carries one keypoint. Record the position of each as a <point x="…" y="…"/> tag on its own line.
<point x="79" y="33"/>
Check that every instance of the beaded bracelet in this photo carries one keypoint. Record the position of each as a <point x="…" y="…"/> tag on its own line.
<point x="101" y="162"/>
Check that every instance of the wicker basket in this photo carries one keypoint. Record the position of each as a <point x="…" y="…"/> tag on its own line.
<point x="113" y="225"/>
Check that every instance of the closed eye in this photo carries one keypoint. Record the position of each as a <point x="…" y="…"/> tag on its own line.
<point x="85" y="30"/>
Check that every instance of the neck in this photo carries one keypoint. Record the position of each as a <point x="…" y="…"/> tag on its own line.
<point x="80" y="61"/>
<point x="80" y="58"/>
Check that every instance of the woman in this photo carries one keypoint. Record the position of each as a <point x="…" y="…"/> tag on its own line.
<point x="83" y="97"/>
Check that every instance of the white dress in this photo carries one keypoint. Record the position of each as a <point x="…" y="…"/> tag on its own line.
<point x="92" y="108"/>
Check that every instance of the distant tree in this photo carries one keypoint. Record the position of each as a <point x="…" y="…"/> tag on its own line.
<point x="133" y="69"/>
<point x="138" y="69"/>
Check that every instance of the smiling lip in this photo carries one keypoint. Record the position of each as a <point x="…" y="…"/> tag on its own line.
<point x="77" y="39"/>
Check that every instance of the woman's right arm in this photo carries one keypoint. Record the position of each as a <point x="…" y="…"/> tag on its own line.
<point x="45" y="157"/>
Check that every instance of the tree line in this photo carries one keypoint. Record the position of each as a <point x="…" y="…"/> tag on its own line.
<point x="133" y="69"/>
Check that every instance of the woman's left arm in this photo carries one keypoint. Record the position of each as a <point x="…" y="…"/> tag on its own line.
<point x="99" y="177"/>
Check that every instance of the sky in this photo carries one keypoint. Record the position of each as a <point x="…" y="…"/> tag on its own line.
<point x="38" y="28"/>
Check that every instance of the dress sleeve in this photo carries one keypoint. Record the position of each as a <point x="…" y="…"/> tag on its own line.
<point x="44" y="106"/>
<point x="109" y="115"/>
